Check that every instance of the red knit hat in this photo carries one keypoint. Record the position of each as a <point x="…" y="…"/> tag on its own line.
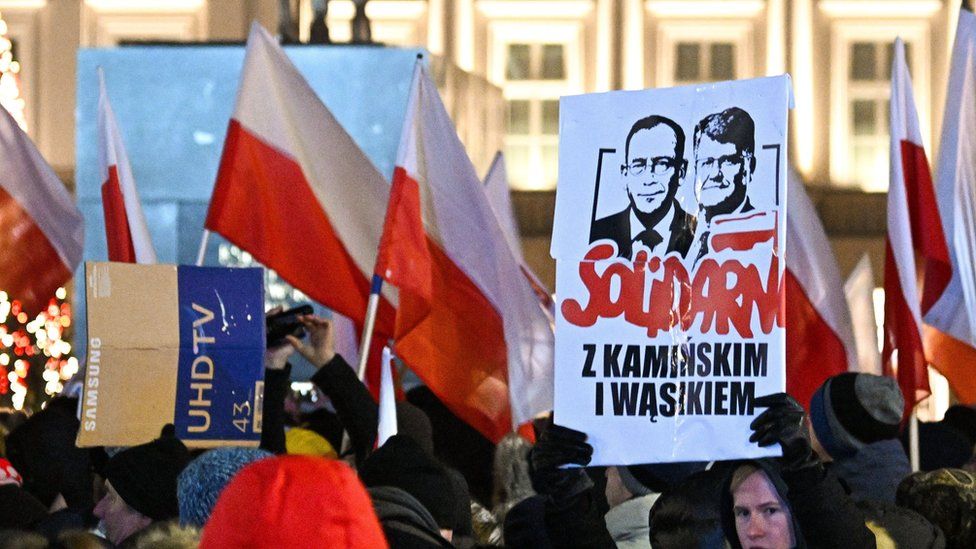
<point x="294" y="501"/>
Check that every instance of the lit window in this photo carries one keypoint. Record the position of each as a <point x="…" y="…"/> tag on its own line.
<point x="710" y="50"/>
<point x="861" y="52"/>
<point x="704" y="62"/>
<point x="532" y="141"/>
<point x="869" y="86"/>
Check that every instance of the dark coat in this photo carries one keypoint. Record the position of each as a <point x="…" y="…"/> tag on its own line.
<point x="823" y="514"/>
<point x="616" y="227"/>
<point x="873" y="473"/>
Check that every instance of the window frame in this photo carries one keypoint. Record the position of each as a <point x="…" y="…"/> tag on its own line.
<point x="568" y="34"/>
<point x="670" y="33"/>
<point x="843" y="35"/>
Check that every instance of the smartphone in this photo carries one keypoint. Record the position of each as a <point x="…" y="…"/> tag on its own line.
<point x="285" y="323"/>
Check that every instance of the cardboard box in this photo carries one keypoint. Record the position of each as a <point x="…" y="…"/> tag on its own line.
<point x="173" y="344"/>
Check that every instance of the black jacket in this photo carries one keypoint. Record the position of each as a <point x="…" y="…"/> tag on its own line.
<point x="616" y="227"/>
<point x="824" y="516"/>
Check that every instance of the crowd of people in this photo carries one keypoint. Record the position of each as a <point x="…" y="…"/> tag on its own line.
<point x="318" y="479"/>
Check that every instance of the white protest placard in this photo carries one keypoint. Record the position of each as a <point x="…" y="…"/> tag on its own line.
<point x="668" y="236"/>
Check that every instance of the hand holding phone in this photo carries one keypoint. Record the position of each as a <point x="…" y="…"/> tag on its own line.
<point x="286" y="323"/>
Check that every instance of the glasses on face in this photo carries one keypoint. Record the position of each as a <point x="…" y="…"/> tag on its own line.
<point x="658" y="165"/>
<point x="729" y="162"/>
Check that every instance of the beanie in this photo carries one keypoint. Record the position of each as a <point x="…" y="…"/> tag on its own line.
<point x="305" y="442"/>
<point x="43" y="451"/>
<point x="963" y="419"/>
<point x="200" y="483"/>
<point x="402" y="463"/>
<point x="947" y="498"/>
<point x="414" y="423"/>
<point x="314" y="503"/>
<point x="145" y="476"/>
<point x="852" y="410"/>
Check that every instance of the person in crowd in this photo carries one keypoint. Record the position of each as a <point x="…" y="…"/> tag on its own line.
<point x="402" y="463"/>
<point x="792" y="501"/>
<point x="947" y="443"/>
<point x="141" y="487"/>
<point x="947" y="498"/>
<point x="512" y="482"/>
<point x="54" y="470"/>
<point x="315" y="503"/>
<point x="300" y="441"/>
<point x="456" y="444"/>
<point x="19" y="510"/>
<point x="10" y="419"/>
<point x="855" y="420"/>
<point x="689" y="514"/>
<point x="200" y="483"/>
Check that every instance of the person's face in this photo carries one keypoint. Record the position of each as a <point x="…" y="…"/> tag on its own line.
<point x="762" y="520"/>
<point x="652" y="171"/>
<point x="616" y="492"/>
<point x="117" y="520"/>
<point x="721" y="173"/>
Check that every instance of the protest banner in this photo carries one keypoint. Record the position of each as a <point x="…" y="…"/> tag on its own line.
<point x="173" y="344"/>
<point x="668" y="236"/>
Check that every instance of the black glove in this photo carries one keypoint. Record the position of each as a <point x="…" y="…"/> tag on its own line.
<point x="558" y="446"/>
<point x="782" y="423"/>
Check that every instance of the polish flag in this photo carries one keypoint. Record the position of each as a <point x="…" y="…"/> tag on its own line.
<point x="500" y="200"/>
<point x="914" y="227"/>
<point x="41" y="230"/>
<point x="125" y="225"/>
<point x="819" y="333"/>
<point x="859" y="289"/>
<point x="950" y="341"/>
<point x="294" y="189"/>
<point x="468" y="322"/>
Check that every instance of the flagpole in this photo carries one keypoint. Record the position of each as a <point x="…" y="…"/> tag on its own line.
<point x="203" y="247"/>
<point x="372" y="306"/>
<point x="913" y="455"/>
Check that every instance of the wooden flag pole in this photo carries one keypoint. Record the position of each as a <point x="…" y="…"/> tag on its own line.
<point x="372" y="306"/>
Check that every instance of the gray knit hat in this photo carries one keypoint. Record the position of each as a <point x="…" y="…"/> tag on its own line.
<point x="852" y="410"/>
<point x="201" y="483"/>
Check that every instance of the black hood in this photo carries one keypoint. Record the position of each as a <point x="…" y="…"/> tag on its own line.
<point x="406" y="522"/>
<point x="772" y="470"/>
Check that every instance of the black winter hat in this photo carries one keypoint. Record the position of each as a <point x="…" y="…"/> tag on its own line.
<point x="851" y="410"/>
<point x="402" y="463"/>
<point x="145" y="476"/>
<point x="43" y="450"/>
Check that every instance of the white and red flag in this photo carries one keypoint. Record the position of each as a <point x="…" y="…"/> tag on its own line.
<point x="819" y="333"/>
<point x="950" y="341"/>
<point x="296" y="192"/>
<point x="468" y="321"/>
<point x="500" y="199"/>
<point x="125" y="225"/>
<point x="859" y="289"/>
<point x="914" y="227"/>
<point x="41" y="230"/>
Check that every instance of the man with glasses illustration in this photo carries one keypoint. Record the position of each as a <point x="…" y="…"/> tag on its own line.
<point x="654" y="167"/>
<point x="725" y="160"/>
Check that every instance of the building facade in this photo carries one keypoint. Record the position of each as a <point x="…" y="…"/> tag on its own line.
<point x="837" y="51"/>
